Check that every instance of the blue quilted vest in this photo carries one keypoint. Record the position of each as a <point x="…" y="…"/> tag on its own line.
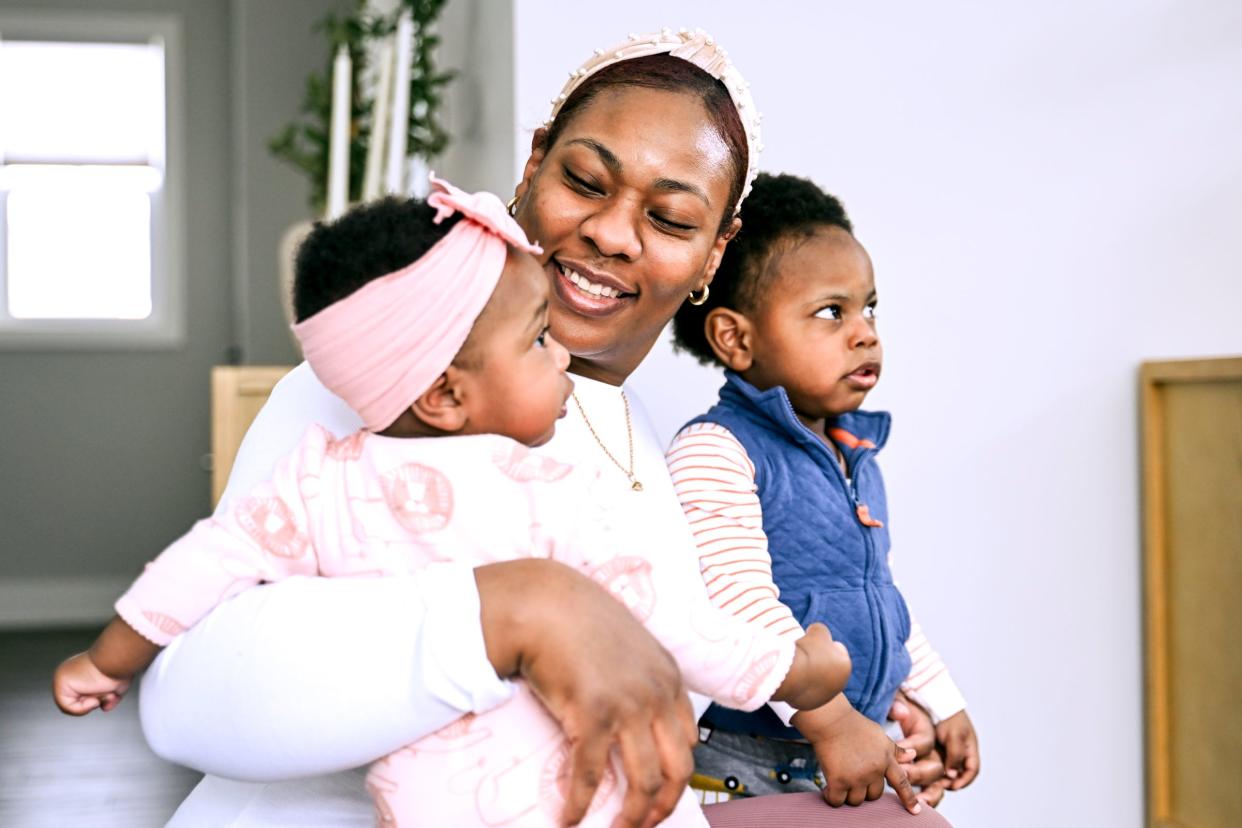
<point x="829" y="565"/>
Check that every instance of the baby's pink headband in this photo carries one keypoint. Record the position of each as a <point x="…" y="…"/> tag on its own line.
<point x="382" y="346"/>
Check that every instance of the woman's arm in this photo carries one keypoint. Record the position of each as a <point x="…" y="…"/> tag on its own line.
<point x="314" y="675"/>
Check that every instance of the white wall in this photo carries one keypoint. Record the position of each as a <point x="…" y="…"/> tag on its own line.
<point x="1051" y="194"/>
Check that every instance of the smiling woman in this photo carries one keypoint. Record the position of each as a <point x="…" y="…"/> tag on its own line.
<point x="632" y="191"/>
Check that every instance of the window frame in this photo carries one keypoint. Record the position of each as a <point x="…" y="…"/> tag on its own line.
<point x="165" y="327"/>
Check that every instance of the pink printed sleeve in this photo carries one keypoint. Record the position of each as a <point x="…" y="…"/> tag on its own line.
<point x="260" y="537"/>
<point x="638" y="548"/>
<point x="715" y="483"/>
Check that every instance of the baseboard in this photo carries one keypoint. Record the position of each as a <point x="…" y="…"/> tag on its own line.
<point x="58" y="602"/>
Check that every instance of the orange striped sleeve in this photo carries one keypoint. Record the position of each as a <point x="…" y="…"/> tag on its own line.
<point x="715" y="481"/>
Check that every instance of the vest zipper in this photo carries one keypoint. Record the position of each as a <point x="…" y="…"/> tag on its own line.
<point x="850" y="485"/>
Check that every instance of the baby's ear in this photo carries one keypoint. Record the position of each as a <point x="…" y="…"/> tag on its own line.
<point x="729" y="334"/>
<point x="440" y="406"/>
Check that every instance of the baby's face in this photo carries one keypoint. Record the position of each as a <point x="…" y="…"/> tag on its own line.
<point x="814" y="330"/>
<point x="515" y="370"/>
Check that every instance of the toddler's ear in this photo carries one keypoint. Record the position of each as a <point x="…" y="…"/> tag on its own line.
<point x="728" y="332"/>
<point x="440" y="406"/>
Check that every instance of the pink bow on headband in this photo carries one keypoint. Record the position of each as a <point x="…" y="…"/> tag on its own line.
<point x="382" y="346"/>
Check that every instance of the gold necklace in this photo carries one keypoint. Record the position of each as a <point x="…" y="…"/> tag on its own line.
<point x="629" y="434"/>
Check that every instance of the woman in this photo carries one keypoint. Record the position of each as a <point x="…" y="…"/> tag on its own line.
<point x="632" y="191"/>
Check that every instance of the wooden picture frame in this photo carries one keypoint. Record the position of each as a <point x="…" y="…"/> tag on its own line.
<point x="1192" y="561"/>
<point x="237" y="394"/>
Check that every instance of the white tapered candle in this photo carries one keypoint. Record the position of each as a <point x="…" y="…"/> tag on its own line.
<point x="374" y="173"/>
<point x="338" y="152"/>
<point x="395" y="181"/>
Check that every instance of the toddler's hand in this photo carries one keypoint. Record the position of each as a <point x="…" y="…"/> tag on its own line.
<point x="856" y="756"/>
<point x="820" y="670"/>
<point x="961" y="749"/>
<point x="79" y="687"/>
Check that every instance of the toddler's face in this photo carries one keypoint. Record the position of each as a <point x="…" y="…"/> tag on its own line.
<point x="515" y="369"/>
<point x="814" y="329"/>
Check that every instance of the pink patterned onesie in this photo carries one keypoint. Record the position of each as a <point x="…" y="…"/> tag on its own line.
<point x="374" y="505"/>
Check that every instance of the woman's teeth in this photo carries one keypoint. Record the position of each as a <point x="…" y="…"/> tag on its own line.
<point x="587" y="286"/>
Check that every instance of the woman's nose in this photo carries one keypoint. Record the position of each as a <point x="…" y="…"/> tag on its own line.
<point x="613" y="229"/>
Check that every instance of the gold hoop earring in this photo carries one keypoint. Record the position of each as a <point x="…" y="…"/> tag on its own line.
<point x="511" y="206"/>
<point x="700" y="299"/>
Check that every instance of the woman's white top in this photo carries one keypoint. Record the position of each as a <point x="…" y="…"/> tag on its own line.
<point x="289" y="681"/>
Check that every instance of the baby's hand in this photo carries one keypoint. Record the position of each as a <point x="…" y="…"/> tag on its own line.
<point x="961" y="750"/>
<point x="856" y="756"/>
<point x="79" y="687"/>
<point x="820" y="669"/>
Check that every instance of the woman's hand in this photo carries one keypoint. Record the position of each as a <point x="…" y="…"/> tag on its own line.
<point x="602" y="676"/>
<point x="926" y="769"/>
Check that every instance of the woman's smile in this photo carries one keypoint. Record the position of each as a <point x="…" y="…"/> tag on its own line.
<point x="588" y="291"/>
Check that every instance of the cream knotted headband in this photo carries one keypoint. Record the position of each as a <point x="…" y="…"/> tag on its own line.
<point x="694" y="46"/>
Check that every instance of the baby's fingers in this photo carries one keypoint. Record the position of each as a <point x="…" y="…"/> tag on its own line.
<point x="76" y="705"/>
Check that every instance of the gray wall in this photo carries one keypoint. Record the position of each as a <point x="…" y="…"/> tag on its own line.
<point x="478" y="45"/>
<point x="274" y="50"/>
<point x="102" y="452"/>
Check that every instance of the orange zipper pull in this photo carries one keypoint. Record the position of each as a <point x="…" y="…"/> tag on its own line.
<point x="865" y="518"/>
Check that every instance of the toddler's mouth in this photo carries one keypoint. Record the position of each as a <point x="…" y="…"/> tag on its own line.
<point x="864" y="377"/>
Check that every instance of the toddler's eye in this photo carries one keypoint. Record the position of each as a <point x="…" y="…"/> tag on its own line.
<point x="542" y="340"/>
<point x="869" y="311"/>
<point x="830" y="312"/>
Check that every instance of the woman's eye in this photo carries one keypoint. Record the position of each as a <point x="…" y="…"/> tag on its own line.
<point x="830" y="312"/>
<point x="869" y="311"/>
<point x="673" y="225"/>
<point x="580" y="183"/>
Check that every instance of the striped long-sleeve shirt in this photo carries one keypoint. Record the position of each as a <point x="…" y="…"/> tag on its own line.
<point x="715" y="482"/>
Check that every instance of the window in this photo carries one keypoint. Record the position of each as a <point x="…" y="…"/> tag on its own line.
<point x="89" y="189"/>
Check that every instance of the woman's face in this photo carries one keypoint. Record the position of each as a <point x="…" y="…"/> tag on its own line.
<point x="627" y="206"/>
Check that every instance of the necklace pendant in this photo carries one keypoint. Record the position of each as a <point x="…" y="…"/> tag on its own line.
<point x="638" y="487"/>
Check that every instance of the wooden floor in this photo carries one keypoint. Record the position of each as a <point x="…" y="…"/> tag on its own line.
<point x="56" y="770"/>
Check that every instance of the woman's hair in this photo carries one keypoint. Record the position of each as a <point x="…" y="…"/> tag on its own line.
<point x="369" y="241"/>
<point x="780" y="212"/>
<point x="671" y="74"/>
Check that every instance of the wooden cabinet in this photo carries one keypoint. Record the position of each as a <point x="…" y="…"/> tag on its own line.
<point x="1192" y="516"/>
<point x="237" y="394"/>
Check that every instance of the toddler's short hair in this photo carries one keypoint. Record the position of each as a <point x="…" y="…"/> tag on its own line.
<point x="780" y="211"/>
<point x="369" y="241"/>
